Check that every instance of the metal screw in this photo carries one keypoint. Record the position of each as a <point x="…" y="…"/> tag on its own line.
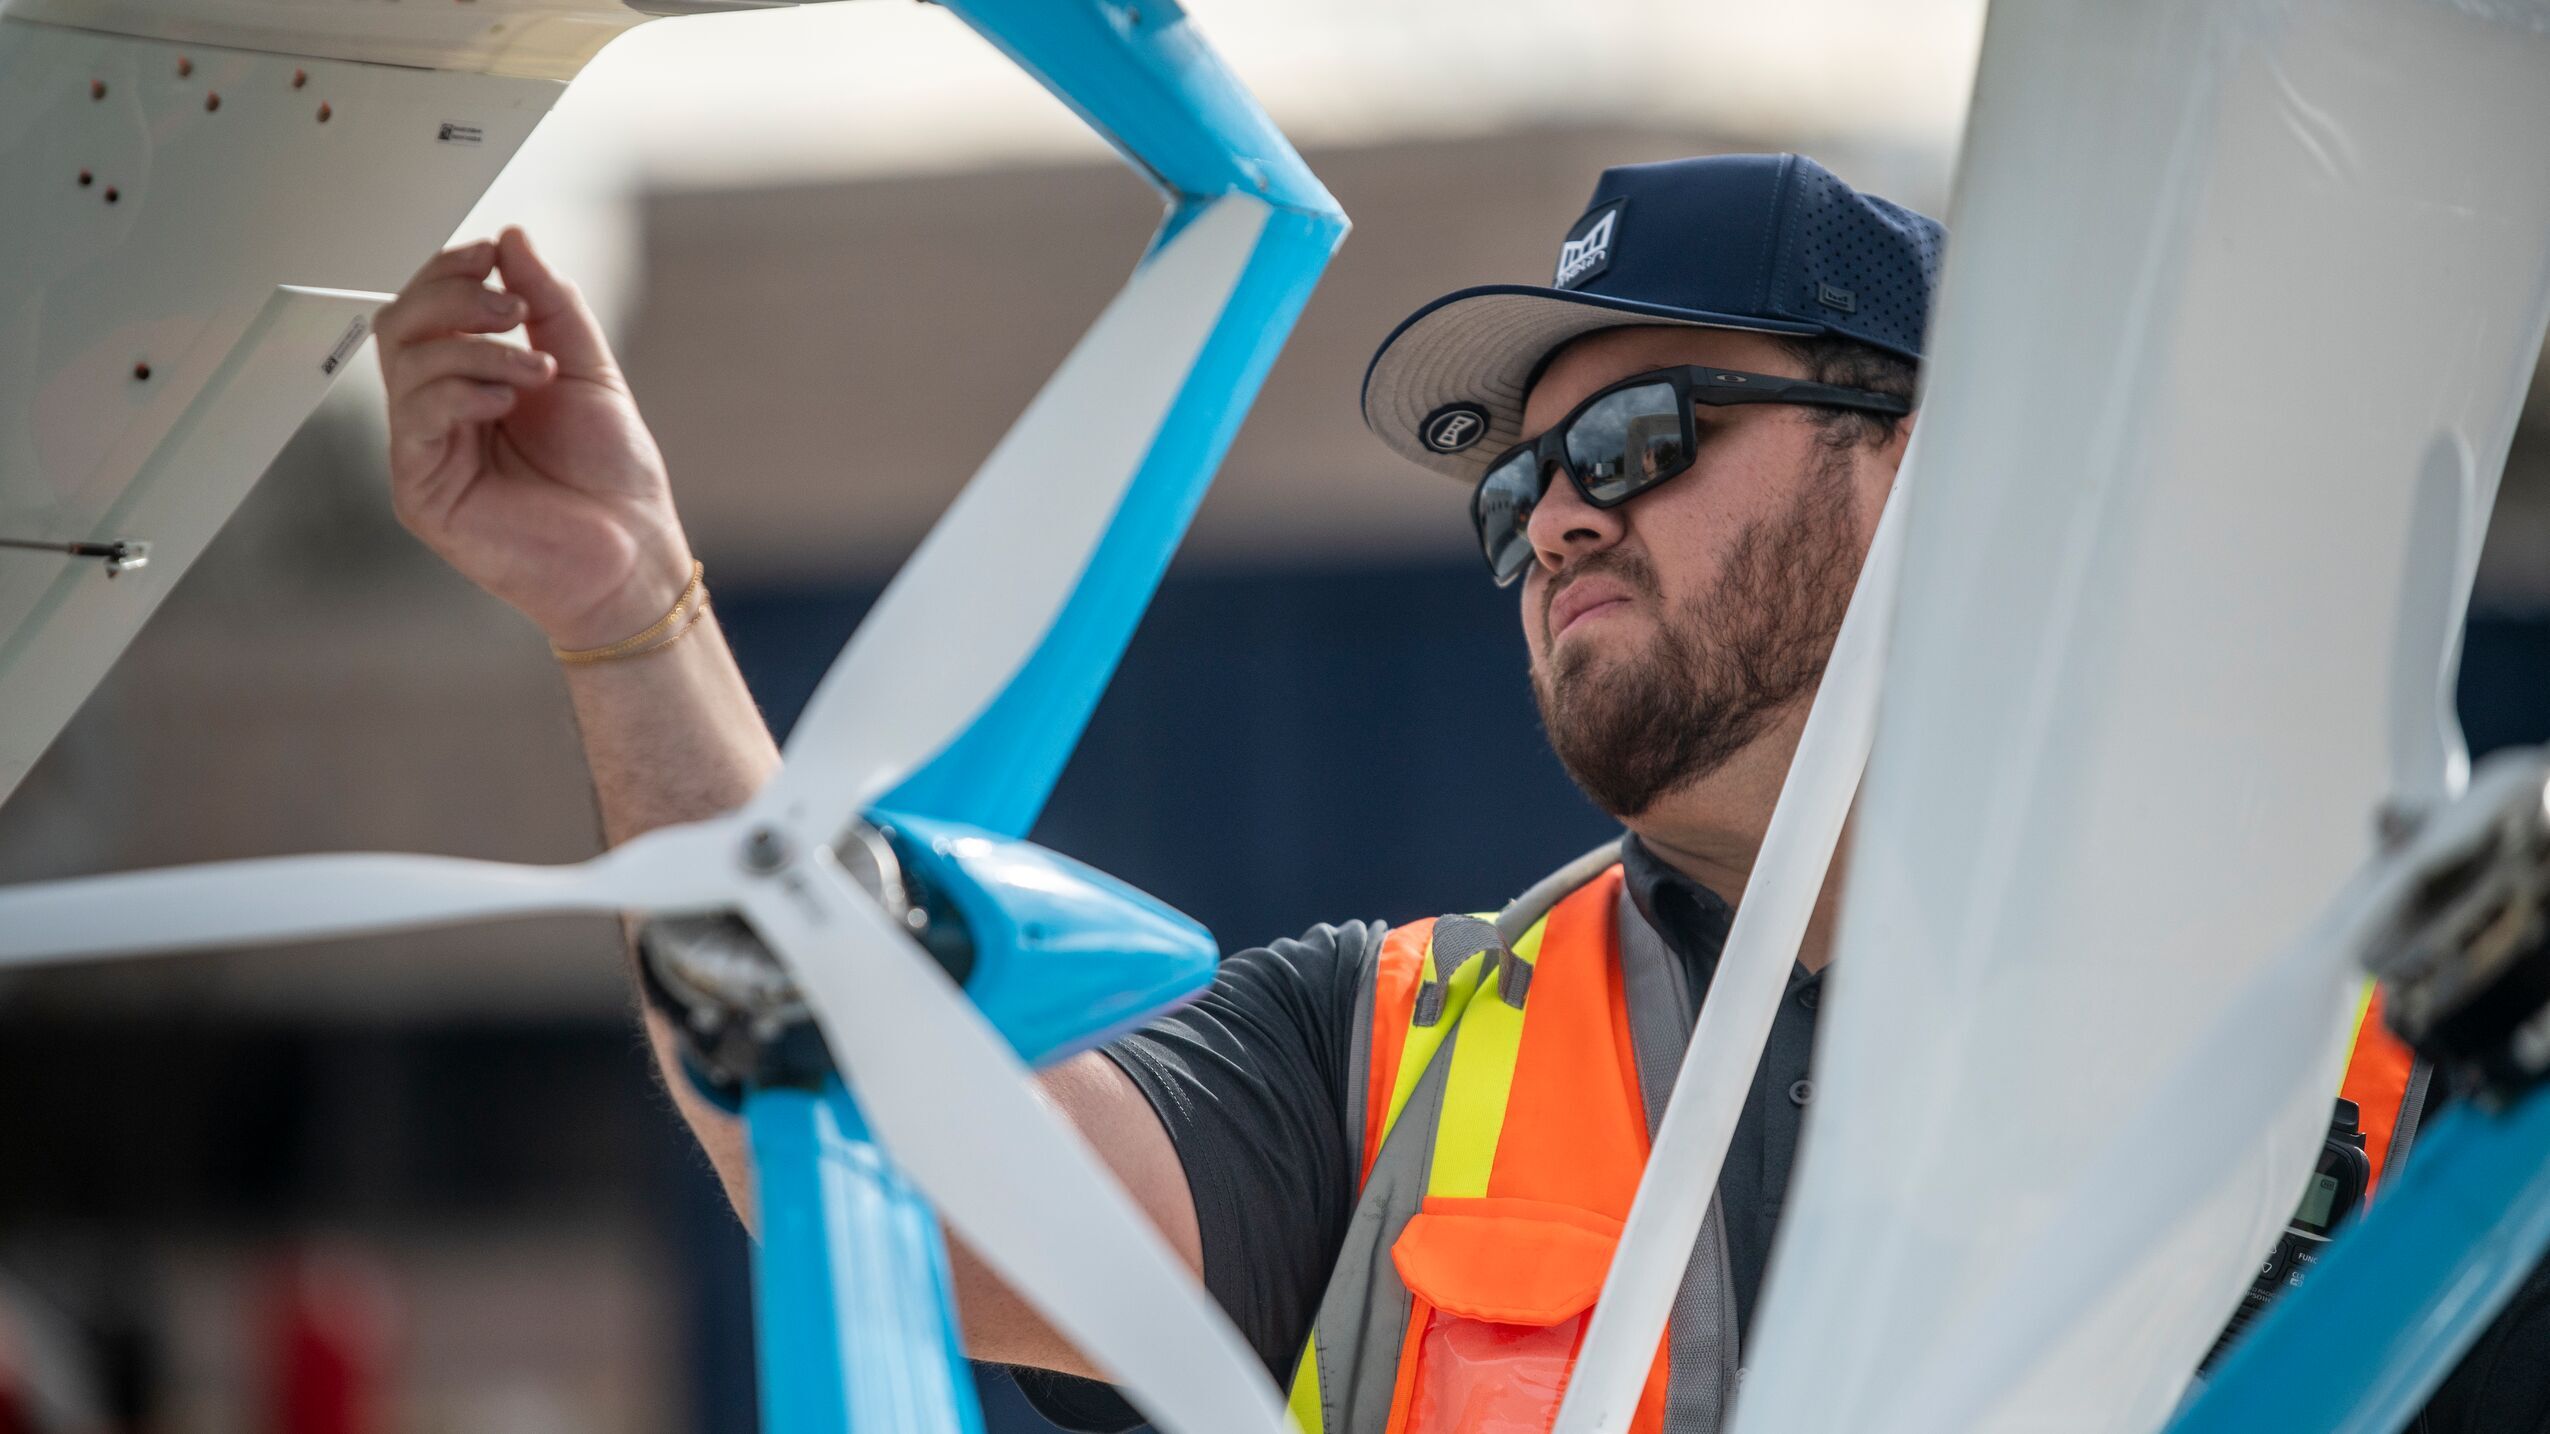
<point x="2395" y="822"/>
<point x="765" y="851"/>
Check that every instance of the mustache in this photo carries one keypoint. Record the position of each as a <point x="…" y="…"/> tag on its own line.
<point x="1632" y="569"/>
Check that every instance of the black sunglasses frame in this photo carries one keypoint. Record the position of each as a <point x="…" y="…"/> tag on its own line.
<point x="1692" y="384"/>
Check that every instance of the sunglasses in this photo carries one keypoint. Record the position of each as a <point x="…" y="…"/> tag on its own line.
<point x="1625" y="440"/>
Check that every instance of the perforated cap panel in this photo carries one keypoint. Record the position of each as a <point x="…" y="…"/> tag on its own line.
<point x="1861" y="266"/>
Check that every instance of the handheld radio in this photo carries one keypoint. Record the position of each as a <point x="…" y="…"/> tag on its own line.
<point x="2337" y="1186"/>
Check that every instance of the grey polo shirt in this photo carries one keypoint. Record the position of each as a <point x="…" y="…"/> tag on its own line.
<point x="1251" y="1082"/>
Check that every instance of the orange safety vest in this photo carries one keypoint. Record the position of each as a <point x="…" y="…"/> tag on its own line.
<point x="1503" y="1126"/>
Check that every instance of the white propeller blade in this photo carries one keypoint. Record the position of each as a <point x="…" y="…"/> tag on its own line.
<point x="984" y="587"/>
<point x="2272" y="1040"/>
<point x="2167" y="599"/>
<point x="302" y="898"/>
<point x="1744" y="996"/>
<point x="951" y="1101"/>
<point x="2269" y="1042"/>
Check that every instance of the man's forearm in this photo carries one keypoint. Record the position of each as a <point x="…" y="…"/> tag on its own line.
<point x="674" y="737"/>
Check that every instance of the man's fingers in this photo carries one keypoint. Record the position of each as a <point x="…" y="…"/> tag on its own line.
<point x="558" y="320"/>
<point x="435" y="359"/>
<point x="474" y="259"/>
<point x="454" y="303"/>
<point x="427" y="412"/>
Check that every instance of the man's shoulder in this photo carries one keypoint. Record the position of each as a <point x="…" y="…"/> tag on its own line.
<point x="1329" y="939"/>
<point x="1330" y="957"/>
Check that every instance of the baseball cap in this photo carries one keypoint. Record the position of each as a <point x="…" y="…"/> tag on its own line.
<point x="1773" y="243"/>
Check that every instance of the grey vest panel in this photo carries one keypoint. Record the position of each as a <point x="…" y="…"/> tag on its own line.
<point x="1701" y="1334"/>
<point x="1365" y="1292"/>
<point x="1359" y="1051"/>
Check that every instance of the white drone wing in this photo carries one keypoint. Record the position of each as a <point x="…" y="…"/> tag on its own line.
<point x="205" y="201"/>
<point x="2240" y="304"/>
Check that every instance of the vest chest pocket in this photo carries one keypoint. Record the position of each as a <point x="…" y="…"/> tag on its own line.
<point x="1500" y="1289"/>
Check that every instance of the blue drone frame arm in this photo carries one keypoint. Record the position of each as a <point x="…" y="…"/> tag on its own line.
<point x="851" y="1297"/>
<point x="853" y="1300"/>
<point x="1142" y="76"/>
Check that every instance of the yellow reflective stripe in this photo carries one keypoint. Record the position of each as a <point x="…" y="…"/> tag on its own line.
<point x="1303" y="1404"/>
<point x="2363" y="1008"/>
<point x="1475" y="1089"/>
<point x="1416" y="1051"/>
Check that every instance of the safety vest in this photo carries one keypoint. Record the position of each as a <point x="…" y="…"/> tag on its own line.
<point x="1511" y="1075"/>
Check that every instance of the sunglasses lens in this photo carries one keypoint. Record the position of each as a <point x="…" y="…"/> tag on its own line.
<point x="1503" y="505"/>
<point x="1629" y="440"/>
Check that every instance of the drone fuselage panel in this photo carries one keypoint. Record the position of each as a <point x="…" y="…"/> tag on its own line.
<point x="197" y="236"/>
<point x="518" y="39"/>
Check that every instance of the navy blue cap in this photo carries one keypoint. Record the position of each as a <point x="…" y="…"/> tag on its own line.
<point x="1772" y="243"/>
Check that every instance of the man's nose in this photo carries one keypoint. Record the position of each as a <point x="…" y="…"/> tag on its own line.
<point x="1564" y="527"/>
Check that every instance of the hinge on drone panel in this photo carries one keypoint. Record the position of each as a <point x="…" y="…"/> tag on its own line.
<point x="122" y="555"/>
<point x="737" y="1012"/>
<point x="2464" y="952"/>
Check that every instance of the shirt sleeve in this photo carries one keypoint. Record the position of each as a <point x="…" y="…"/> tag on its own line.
<point x="1250" y="1082"/>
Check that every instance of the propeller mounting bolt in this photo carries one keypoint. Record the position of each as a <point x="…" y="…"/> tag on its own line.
<point x="765" y="851"/>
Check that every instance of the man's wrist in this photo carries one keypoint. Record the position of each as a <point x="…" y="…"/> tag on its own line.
<point x="688" y="608"/>
<point x="649" y="592"/>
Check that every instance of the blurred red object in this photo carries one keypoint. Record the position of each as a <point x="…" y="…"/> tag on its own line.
<point x="334" y="1312"/>
<point x="16" y="1414"/>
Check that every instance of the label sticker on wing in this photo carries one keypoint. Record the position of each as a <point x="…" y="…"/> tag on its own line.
<point x="456" y="133"/>
<point x="347" y="344"/>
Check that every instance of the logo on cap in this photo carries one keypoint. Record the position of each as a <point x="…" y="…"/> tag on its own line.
<point x="1453" y="427"/>
<point x="1587" y="251"/>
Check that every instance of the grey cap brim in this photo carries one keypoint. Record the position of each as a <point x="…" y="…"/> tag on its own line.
<point x="1482" y="346"/>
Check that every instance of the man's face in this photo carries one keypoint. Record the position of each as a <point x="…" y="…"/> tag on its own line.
<point x="1670" y="633"/>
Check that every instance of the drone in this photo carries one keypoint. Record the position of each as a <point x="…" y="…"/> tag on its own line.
<point x="2164" y="610"/>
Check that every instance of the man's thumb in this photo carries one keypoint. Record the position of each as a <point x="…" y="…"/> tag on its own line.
<point x="558" y="321"/>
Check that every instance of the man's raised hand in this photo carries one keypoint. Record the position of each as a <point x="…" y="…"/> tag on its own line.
<point x="529" y="471"/>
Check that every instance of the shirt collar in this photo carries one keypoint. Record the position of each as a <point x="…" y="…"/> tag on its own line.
<point x="1692" y="919"/>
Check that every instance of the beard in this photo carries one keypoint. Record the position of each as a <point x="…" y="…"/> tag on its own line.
<point x="1719" y="669"/>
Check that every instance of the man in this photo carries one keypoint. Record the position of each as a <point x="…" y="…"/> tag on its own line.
<point x="1680" y="450"/>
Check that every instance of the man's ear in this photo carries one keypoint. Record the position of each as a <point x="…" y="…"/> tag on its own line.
<point x="1896" y="445"/>
<point x="1890" y="455"/>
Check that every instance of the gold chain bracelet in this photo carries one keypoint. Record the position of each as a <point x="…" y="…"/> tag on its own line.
<point x="658" y="635"/>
